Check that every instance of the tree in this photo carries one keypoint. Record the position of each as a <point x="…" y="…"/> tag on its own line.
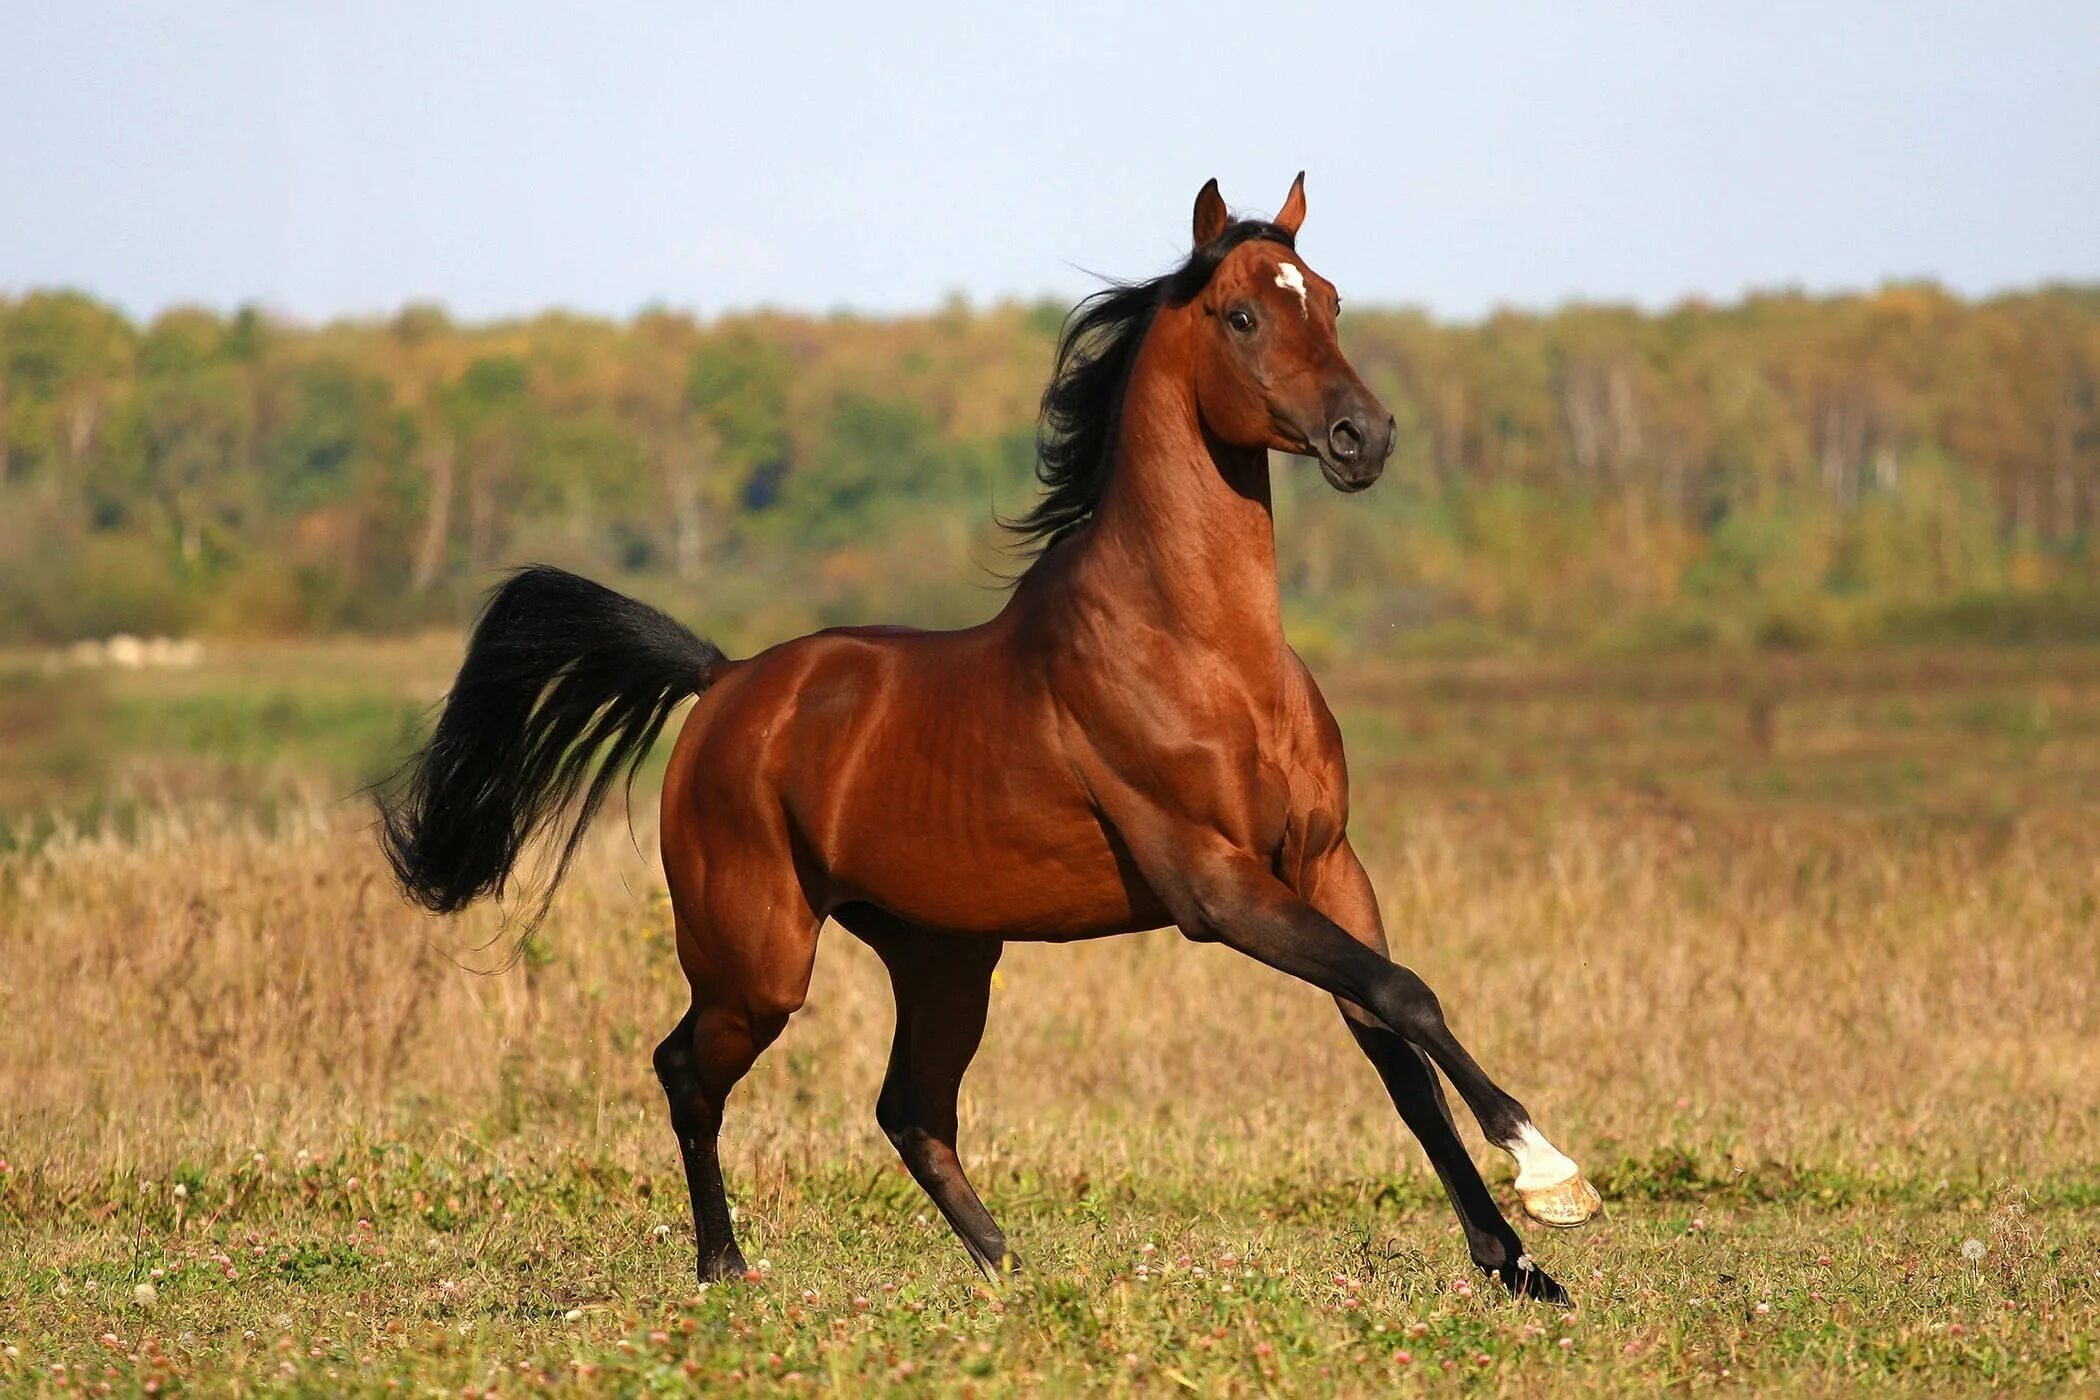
<point x="65" y="363"/>
<point x="197" y="419"/>
<point x="737" y="386"/>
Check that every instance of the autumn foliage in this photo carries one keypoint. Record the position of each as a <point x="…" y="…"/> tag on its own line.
<point x="1786" y="471"/>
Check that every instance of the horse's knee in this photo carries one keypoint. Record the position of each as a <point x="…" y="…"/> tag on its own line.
<point x="773" y="1001"/>
<point x="1408" y="1007"/>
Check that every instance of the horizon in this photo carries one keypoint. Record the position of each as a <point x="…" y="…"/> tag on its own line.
<point x="705" y="319"/>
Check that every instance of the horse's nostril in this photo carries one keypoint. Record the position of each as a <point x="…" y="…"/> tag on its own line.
<point x="1345" y="441"/>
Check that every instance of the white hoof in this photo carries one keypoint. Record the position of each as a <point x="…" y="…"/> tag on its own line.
<point x="1563" y="1206"/>
<point x="1549" y="1183"/>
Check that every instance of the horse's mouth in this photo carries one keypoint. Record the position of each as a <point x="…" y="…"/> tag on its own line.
<point x="1348" y="478"/>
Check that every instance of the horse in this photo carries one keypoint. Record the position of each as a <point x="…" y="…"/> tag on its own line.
<point x="1130" y="743"/>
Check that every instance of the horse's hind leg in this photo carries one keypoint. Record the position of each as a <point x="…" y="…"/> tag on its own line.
<point x="698" y="1063"/>
<point x="731" y="1021"/>
<point x="943" y="986"/>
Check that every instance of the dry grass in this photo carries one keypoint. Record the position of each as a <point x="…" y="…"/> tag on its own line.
<point x="1797" y="1034"/>
<point x="1805" y="980"/>
<point x="1917" y="1004"/>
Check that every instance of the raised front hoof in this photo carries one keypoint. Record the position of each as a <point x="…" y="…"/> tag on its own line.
<point x="1565" y="1205"/>
<point x="1533" y="1283"/>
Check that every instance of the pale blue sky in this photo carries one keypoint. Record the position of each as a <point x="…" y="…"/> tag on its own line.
<point x="345" y="158"/>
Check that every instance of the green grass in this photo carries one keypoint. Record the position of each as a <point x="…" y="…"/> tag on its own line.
<point x="388" y="1265"/>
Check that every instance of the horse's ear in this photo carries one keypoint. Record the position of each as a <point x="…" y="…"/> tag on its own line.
<point x="1211" y="217"/>
<point x="1292" y="215"/>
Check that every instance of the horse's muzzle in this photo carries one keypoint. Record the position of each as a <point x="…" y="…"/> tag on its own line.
<point x="1354" y="453"/>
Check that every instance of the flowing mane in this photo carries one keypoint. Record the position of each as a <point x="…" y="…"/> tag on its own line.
<point x="1076" y="426"/>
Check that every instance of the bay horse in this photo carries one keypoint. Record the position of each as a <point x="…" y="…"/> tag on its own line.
<point x="1129" y="744"/>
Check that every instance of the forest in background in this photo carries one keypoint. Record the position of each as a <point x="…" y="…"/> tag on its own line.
<point x="1785" y="471"/>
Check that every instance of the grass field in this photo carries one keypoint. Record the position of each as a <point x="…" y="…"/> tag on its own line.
<point x="1830" y="1045"/>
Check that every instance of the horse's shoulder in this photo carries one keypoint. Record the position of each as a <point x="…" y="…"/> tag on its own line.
<point x="1318" y="734"/>
<point x="1319" y="771"/>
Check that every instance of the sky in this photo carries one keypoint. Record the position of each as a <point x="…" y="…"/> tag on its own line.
<point x="330" y="159"/>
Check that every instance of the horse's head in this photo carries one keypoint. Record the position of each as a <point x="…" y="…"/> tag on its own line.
<point x="1269" y="371"/>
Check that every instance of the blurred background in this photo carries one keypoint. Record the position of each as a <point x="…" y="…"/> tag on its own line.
<point x="1712" y="334"/>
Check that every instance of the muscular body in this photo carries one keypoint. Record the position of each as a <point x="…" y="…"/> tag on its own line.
<point x="1137" y="757"/>
<point x="1129" y="744"/>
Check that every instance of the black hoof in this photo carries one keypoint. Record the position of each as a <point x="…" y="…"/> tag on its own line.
<point x="1003" y="1269"/>
<point x="728" y="1267"/>
<point x="1533" y="1283"/>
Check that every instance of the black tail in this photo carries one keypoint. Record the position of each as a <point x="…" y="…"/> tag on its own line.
<point x="558" y="670"/>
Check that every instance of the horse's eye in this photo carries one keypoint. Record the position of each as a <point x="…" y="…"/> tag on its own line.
<point x="1240" y="319"/>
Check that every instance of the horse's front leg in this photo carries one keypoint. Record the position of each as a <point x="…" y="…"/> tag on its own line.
<point x="1340" y="889"/>
<point x="1234" y="900"/>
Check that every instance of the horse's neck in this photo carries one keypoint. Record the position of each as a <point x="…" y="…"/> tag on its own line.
<point x="1190" y="517"/>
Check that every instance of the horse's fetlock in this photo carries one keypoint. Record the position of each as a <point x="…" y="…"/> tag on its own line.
<point x="1494" y="1253"/>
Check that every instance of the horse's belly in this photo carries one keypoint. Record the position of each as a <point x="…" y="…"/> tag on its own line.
<point x="974" y="835"/>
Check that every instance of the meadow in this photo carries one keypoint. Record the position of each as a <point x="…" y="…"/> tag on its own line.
<point x="1827" y="1041"/>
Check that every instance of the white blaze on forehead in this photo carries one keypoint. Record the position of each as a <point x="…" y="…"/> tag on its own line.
<point x="1539" y="1162"/>
<point x="1291" y="279"/>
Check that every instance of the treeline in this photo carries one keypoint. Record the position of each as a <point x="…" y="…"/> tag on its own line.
<point x="1785" y="470"/>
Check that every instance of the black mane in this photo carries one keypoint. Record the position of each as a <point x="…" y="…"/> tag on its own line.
<point x="1076" y="426"/>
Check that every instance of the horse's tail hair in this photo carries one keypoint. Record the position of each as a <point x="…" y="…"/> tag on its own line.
<point x="565" y="687"/>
